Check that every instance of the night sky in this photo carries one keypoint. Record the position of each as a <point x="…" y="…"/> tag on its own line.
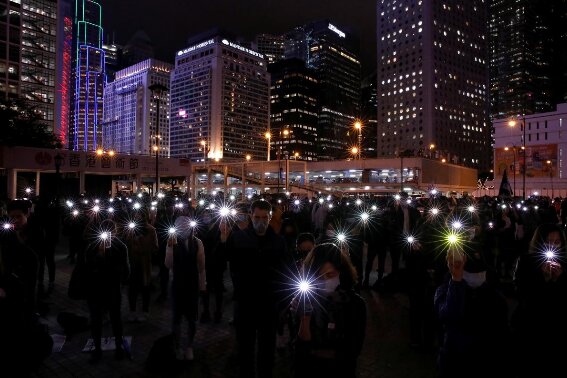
<point x="170" y="22"/>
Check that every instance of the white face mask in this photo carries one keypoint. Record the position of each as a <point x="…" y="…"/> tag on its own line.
<point x="474" y="280"/>
<point x="329" y="286"/>
<point x="260" y="226"/>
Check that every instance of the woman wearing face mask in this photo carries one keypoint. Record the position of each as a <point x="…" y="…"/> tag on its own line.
<point x="474" y="317"/>
<point x="332" y="323"/>
<point x="538" y="321"/>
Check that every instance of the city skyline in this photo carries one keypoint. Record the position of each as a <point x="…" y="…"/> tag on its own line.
<point x="247" y="22"/>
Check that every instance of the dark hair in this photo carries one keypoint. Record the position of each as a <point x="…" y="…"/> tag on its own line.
<point x="540" y="237"/>
<point x="305" y="236"/>
<point x="260" y="204"/>
<point x="328" y="252"/>
<point x="22" y="205"/>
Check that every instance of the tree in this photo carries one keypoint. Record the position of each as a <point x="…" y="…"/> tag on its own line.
<point x="21" y="125"/>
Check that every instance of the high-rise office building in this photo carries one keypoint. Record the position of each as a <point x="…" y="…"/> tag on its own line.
<point x="331" y="52"/>
<point x="220" y="94"/>
<point x="28" y="54"/>
<point x="138" y="48"/>
<point x="368" y="114"/>
<point x="521" y="55"/>
<point x="432" y="78"/>
<point x="64" y="71"/>
<point x="130" y="109"/>
<point x="11" y="26"/>
<point x="113" y="59"/>
<point x="272" y="46"/>
<point x="89" y="76"/>
<point x="293" y="110"/>
<point x="38" y="57"/>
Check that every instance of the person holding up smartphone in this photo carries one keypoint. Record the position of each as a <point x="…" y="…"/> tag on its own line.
<point x="474" y="317"/>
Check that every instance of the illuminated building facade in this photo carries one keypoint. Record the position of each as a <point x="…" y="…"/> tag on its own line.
<point x="220" y="94"/>
<point x="89" y="77"/>
<point x="331" y="52"/>
<point x="293" y="110"/>
<point x="272" y="46"/>
<point x="11" y="26"/>
<point x="528" y="62"/>
<point x="64" y="84"/>
<point x="28" y="54"/>
<point x="432" y="78"/>
<point x="113" y="59"/>
<point x="130" y="110"/>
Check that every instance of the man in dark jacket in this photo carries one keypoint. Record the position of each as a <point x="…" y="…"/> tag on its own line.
<point x="108" y="268"/>
<point x="259" y="262"/>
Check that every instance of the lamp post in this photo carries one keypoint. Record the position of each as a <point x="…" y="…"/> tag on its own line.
<point x="58" y="159"/>
<point x="550" y="166"/>
<point x="157" y="89"/>
<point x="514" y="167"/>
<point x="431" y="148"/>
<point x="204" y="144"/>
<point x="358" y="127"/>
<point x="512" y="123"/>
<point x="354" y="151"/>
<point x="268" y="136"/>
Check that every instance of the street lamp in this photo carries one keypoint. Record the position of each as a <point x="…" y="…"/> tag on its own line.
<point x="431" y="148"/>
<point x="354" y="151"/>
<point x="268" y="136"/>
<point x="358" y="127"/>
<point x="58" y="159"/>
<point x="248" y="157"/>
<point x="512" y="123"/>
<point x="514" y="167"/>
<point x="550" y="165"/>
<point x="204" y="144"/>
<point x="157" y="89"/>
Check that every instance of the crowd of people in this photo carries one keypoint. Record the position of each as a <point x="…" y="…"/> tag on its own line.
<point x="305" y="264"/>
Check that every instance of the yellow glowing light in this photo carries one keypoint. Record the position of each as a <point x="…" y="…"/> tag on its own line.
<point x="99" y="151"/>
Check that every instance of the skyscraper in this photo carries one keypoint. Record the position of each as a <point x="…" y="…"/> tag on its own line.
<point x="89" y="76"/>
<point x="113" y="59"/>
<point x="521" y="54"/>
<point x="368" y="113"/>
<point x="10" y="24"/>
<point x="130" y="109"/>
<point x="28" y="54"/>
<point x="138" y="48"/>
<point x="219" y="102"/>
<point x="331" y="52"/>
<point x="432" y="79"/>
<point x="293" y="110"/>
<point x="64" y="71"/>
<point x="272" y="46"/>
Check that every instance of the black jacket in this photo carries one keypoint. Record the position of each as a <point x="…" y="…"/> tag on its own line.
<point x="260" y="266"/>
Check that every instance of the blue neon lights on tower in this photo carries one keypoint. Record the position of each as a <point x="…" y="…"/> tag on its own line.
<point x="89" y="76"/>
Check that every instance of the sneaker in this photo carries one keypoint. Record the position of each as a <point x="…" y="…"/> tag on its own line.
<point x="189" y="354"/>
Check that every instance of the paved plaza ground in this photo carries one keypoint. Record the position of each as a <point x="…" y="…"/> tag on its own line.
<point x="386" y="352"/>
